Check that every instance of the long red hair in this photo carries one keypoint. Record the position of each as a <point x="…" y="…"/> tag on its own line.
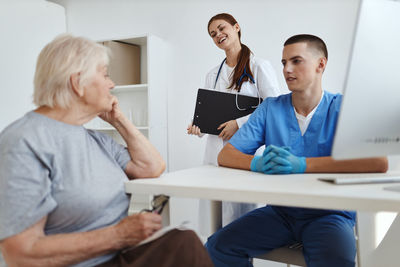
<point x="244" y="56"/>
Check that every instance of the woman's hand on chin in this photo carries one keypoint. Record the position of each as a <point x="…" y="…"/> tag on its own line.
<point x="114" y="115"/>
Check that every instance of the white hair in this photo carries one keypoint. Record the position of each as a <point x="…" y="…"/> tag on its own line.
<point x="57" y="61"/>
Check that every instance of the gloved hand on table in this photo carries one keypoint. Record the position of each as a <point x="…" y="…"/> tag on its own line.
<point x="262" y="163"/>
<point x="278" y="160"/>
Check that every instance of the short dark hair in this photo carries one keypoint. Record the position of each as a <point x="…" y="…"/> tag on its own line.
<point x="312" y="40"/>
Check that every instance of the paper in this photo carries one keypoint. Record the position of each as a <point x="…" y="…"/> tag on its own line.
<point x="183" y="226"/>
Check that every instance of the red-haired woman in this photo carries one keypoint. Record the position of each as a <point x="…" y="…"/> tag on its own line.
<point x="239" y="73"/>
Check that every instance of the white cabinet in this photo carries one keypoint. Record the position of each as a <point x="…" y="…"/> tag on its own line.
<point x="145" y="104"/>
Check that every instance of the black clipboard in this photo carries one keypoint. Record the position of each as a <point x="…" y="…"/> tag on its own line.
<point x="214" y="107"/>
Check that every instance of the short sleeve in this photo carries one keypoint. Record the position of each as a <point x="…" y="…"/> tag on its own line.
<point x="252" y="135"/>
<point x="25" y="191"/>
<point x="337" y="102"/>
<point x="242" y="120"/>
<point x="119" y="152"/>
<point x="267" y="82"/>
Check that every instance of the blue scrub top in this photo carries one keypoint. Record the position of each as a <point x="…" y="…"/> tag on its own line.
<point x="274" y="123"/>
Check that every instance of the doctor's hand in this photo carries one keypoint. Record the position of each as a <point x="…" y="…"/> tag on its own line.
<point x="229" y="128"/>
<point x="283" y="162"/>
<point x="193" y="129"/>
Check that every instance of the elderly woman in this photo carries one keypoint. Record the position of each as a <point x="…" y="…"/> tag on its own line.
<point x="62" y="199"/>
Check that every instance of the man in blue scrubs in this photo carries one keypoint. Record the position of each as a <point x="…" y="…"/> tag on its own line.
<point x="298" y="130"/>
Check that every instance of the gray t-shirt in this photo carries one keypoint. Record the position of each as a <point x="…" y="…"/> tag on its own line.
<point x="73" y="175"/>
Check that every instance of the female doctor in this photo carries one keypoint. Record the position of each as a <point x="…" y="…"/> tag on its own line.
<point x="239" y="73"/>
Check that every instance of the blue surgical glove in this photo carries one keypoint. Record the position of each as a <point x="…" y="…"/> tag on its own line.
<point x="285" y="162"/>
<point x="272" y="148"/>
<point x="262" y="163"/>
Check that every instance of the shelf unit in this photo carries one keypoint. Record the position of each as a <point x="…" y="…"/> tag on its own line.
<point x="145" y="104"/>
<point x="130" y="88"/>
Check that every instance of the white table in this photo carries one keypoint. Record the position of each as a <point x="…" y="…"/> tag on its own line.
<point x="299" y="190"/>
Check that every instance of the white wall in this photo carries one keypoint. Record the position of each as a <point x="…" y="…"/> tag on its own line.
<point x="25" y="27"/>
<point x="265" y="26"/>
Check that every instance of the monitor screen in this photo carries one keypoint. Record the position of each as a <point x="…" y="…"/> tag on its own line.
<point x="369" y="119"/>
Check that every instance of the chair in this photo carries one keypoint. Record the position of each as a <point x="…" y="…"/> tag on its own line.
<point x="290" y="254"/>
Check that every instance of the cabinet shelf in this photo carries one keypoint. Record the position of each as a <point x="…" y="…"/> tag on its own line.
<point x="143" y="101"/>
<point x="129" y="88"/>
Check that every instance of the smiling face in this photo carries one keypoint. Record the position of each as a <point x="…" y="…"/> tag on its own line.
<point x="97" y="94"/>
<point x="302" y="66"/>
<point x="224" y="34"/>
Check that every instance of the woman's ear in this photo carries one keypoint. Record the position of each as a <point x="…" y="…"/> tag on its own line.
<point x="75" y="84"/>
<point x="237" y="27"/>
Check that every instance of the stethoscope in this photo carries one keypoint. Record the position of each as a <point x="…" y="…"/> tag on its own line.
<point x="238" y="82"/>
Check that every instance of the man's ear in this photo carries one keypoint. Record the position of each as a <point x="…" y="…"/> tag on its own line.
<point x="75" y="84"/>
<point x="322" y="64"/>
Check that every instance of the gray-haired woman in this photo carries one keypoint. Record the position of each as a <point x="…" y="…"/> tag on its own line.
<point x="62" y="199"/>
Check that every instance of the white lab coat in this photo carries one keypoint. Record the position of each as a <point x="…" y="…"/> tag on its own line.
<point x="267" y="85"/>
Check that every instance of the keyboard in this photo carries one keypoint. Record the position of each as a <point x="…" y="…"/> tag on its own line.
<point x="395" y="188"/>
<point x="371" y="178"/>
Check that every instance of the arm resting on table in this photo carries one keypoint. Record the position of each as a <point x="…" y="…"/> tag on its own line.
<point x="328" y="164"/>
<point x="146" y="161"/>
<point x="233" y="158"/>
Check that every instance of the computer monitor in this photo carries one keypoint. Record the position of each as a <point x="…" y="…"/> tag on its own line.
<point x="369" y="119"/>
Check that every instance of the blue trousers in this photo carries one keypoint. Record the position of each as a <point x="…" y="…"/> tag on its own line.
<point x="328" y="240"/>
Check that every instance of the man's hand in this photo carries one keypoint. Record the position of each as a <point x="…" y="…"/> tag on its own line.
<point x="229" y="128"/>
<point x="278" y="160"/>
<point x="262" y="163"/>
<point x="284" y="162"/>
<point x="137" y="227"/>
